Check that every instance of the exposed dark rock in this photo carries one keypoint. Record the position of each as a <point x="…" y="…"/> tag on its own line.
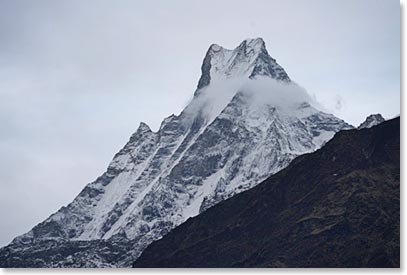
<point x="336" y="207"/>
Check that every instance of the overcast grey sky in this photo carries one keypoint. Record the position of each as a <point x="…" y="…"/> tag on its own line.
<point x="77" y="77"/>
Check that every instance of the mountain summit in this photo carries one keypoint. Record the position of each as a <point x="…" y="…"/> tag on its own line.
<point x="372" y="120"/>
<point x="248" y="60"/>
<point x="246" y="122"/>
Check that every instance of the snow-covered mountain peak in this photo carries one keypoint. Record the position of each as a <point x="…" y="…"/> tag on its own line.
<point x="142" y="131"/>
<point x="247" y="121"/>
<point x="252" y="46"/>
<point x="214" y="48"/>
<point x="248" y="60"/>
<point x="256" y="45"/>
<point x="143" y="127"/>
<point x="371" y="121"/>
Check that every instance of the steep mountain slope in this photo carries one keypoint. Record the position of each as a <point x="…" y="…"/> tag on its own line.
<point x="246" y="121"/>
<point x="336" y="207"/>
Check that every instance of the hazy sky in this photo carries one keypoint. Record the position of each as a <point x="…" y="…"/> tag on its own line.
<point x="77" y="77"/>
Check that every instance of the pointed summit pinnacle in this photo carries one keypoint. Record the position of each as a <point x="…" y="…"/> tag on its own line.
<point x="248" y="60"/>
<point x="143" y="127"/>
<point x="256" y="44"/>
<point x="372" y="120"/>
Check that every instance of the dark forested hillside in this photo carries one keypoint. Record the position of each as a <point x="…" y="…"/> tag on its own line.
<point x="336" y="207"/>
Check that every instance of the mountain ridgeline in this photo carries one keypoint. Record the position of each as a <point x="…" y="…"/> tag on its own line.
<point x="246" y="121"/>
<point x="336" y="207"/>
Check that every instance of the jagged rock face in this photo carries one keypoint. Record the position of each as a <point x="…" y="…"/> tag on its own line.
<point x="217" y="147"/>
<point x="371" y="121"/>
<point x="338" y="207"/>
<point x="248" y="60"/>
